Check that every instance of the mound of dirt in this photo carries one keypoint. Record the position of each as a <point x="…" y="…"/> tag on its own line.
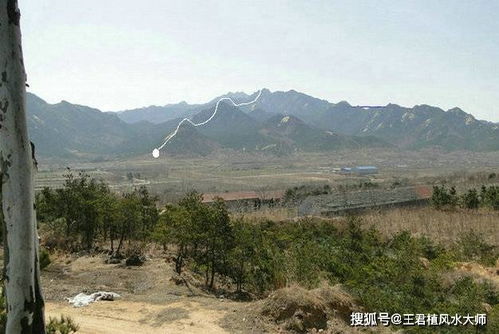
<point x="296" y="309"/>
<point x="299" y="310"/>
<point x="480" y="272"/>
<point x="339" y="303"/>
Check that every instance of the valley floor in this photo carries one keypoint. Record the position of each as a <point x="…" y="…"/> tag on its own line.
<point x="172" y="176"/>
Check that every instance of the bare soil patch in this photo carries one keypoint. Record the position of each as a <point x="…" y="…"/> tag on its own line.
<point x="150" y="302"/>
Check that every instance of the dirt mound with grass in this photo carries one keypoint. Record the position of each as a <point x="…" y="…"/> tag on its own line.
<point x="339" y="303"/>
<point x="299" y="310"/>
<point x="480" y="272"/>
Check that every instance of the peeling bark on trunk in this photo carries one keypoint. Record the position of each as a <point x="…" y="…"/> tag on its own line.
<point x="22" y="281"/>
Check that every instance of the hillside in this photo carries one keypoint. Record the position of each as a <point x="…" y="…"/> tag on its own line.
<point x="297" y="133"/>
<point x="159" y="114"/>
<point x="69" y="130"/>
<point x="190" y="141"/>
<point x="417" y="127"/>
<point x="65" y="129"/>
<point x="231" y="128"/>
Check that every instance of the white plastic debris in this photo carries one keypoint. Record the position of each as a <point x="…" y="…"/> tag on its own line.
<point x="82" y="299"/>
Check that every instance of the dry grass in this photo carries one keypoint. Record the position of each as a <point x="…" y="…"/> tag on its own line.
<point x="296" y="308"/>
<point x="441" y="226"/>
<point x="170" y="177"/>
<point x="276" y="214"/>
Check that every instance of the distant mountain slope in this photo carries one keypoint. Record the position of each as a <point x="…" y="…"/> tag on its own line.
<point x="65" y="129"/>
<point x="69" y="130"/>
<point x="261" y="115"/>
<point x="278" y="122"/>
<point x="305" y="107"/>
<point x="231" y="128"/>
<point x="190" y="141"/>
<point x="413" y="128"/>
<point x="298" y="134"/>
<point x="417" y="127"/>
<point x="160" y="114"/>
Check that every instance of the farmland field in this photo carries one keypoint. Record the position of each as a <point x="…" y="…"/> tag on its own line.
<point x="172" y="176"/>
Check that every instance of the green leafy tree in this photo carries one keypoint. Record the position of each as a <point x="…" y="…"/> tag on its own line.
<point x="470" y="199"/>
<point x="148" y="212"/>
<point x="174" y="227"/>
<point x="243" y="253"/>
<point x="130" y="219"/>
<point x="92" y="213"/>
<point x="79" y="202"/>
<point x="218" y="242"/>
<point x="443" y="198"/>
<point x="490" y="197"/>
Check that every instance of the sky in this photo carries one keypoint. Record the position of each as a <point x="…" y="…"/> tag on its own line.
<point x="122" y="54"/>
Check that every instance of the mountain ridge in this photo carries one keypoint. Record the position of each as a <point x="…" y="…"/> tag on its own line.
<point x="65" y="129"/>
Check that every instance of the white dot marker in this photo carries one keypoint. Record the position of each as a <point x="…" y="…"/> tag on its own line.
<point x="155" y="153"/>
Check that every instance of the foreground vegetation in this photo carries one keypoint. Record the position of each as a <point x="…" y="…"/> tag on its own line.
<point x="398" y="273"/>
<point x="85" y="212"/>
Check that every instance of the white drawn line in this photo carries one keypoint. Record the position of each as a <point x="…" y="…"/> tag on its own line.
<point x="155" y="152"/>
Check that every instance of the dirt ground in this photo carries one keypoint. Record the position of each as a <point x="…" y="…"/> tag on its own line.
<point x="150" y="302"/>
<point x="124" y="316"/>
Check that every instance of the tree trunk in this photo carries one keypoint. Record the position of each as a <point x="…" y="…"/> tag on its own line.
<point x="179" y="260"/>
<point x="212" y="278"/>
<point x="23" y="294"/>
<point x="118" y="250"/>
<point x="178" y="264"/>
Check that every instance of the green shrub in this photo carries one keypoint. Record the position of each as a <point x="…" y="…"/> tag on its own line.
<point x="490" y="197"/>
<point x="62" y="325"/>
<point x="472" y="247"/>
<point x="493" y="320"/>
<point x="470" y="199"/>
<point x="44" y="258"/>
<point x="443" y="198"/>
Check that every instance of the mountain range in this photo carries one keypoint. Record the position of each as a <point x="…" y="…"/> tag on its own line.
<point x="278" y="123"/>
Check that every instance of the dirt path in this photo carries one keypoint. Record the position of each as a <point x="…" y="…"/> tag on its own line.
<point x="127" y="317"/>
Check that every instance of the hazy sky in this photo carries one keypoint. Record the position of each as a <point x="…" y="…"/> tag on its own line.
<point x="119" y="54"/>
